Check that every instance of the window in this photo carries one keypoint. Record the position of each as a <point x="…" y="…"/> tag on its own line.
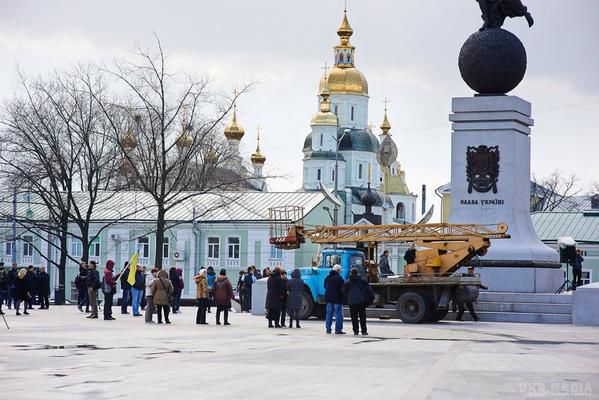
<point x="331" y="260"/>
<point x="233" y="247"/>
<point x="321" y="139"/>
<point x="333" y="175"/>
<point x="8" y="248"/>
<point x="27" y="246"/>
<point x="352" y="113"/>
<point x="336" y="109"/>
<point x="400" y="212"/>
<point x="360" y="171"/>
<point x="213" y="247"/>
<point x="143" y="246"/>
<point x="165" y="248"/>
<point x="76" y="248"/>
<point x="318" y="174"/>
<point x="275" y="253"/>
<point x="94" y="247"/>
<point x="585" y="277"/>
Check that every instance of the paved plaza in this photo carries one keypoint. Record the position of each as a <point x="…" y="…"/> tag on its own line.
<point x="59" y="354"/>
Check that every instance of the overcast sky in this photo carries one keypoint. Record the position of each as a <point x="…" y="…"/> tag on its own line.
<point x="407" y="50"/>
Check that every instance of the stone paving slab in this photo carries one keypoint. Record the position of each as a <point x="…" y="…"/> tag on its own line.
<point x="59" y="354"/>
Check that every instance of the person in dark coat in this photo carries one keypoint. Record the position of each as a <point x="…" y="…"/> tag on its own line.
<point x="3" y="286"/>
<point x="284" y="298"/>
<point x="126" y="298"/>
<point x="275" y="289"/>
<point x="295" y="288"/>
<point x="384" y="268"/>
<point x="359" y="295"/>
<point x="469" y="305"/>
<point x="248" y="281"/>
<point x="31" y="286"/>
<point x="43" y="288"/>
<point x="80" y="284"/>
<point x="93" y="283"/>
<point x="577" y="269"/>
<point x="333" y="295"/>
<point x="223" y="294"/>
<point x="410" y="254"/>
<point x="110" y="279"/>
<point x="174" y="278"/>
<point x="211" y="278"/>
<point x="21" y="291"/>
<point x="137" y="290"/>
<point x="12" y="281"/>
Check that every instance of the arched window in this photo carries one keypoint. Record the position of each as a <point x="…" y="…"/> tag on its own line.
<point x="400" y="211"/>
<point x="321" y="139"/>
<point x="352" y="113"/>
<point x="318" y="174"/>
<point x="359" y="171"/>
<point x="336" y="109"/>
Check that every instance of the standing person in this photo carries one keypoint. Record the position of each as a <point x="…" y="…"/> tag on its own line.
<point x="211" y="278"/>
<point x="384" y="268"/>
<point x="333" y="296"/>
<point x="256" y="273"/>
<point x="12" y="281"/>
<point x="469" y="305"/>
<point x="274" y="297"/>
<point x="143" y="294"/>
<point x="137" y="290"/>
<point x="149" y="302"/>
<point x="43" y="288"/>
<point x="92" y="282"/>
<point x="21" y="291"/>
<point x="202" y="291"/>
<point x="295" y="288"/>
<point x="359" y="295"/>
<point x="223" y="294"/>
<point x="126" y="288"/>
<point x="110" y="280"/>
<point x="31" y="286"/>
<point x="179" y="292"/>
<point x="81" y="285"/>
<point x="266" y="272"/>
<point x="3" y="286"/>
<point x="162" y="288"/>
<point x="577" y="269"/>
<point x="248" y="281"/>
<point x="174" y="278"/>
<point x="284" y="298"/>
<point x="240" y="291"/>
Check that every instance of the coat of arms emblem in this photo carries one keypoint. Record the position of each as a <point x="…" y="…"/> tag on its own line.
<point x="482" y="168"/>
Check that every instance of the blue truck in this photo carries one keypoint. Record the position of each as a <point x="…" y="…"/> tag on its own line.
<point x="417" y="299"/>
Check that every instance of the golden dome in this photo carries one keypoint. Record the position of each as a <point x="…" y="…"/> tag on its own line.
<point x="258" y="157"/>
<point x="346" y="80"/>
<point x="234" y="131"/>
<point x="345" y="30"/>
<point x="385" y="126"/>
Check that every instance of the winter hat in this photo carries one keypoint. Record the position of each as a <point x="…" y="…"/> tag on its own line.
<point x="110" y="264"/>
<point x="223" y="272"/>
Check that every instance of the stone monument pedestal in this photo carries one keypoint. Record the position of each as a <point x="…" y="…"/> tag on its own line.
<point x="490" y="183"/>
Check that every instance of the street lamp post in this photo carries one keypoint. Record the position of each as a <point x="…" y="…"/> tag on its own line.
<point x="338" y="140"/>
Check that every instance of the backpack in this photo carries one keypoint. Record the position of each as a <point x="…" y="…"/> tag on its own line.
<point x="248" y="281"/>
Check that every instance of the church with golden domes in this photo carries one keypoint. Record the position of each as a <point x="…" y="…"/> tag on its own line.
<point x="370" y="177"/>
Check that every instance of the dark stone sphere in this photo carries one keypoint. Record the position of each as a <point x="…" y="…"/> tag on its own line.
<point x="492" y="61"/>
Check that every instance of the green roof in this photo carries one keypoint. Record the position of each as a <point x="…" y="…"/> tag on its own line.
<point x="581" y="226"/>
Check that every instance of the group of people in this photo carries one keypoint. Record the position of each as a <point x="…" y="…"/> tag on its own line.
<point x="28" y="286"/>
<point x="283" y="296"/>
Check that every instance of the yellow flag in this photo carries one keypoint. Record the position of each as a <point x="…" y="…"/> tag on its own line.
<point x="132" y="269"/>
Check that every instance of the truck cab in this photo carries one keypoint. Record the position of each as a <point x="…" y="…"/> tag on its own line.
<point x="313" y="277"/>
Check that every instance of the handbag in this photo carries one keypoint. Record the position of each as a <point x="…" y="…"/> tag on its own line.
<point x="170" y="297"/>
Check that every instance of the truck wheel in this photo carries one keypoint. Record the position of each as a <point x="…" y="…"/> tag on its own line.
<point x="412" y="308"/>
<point x="437" y="314"/>
<point x="307" y="305"/>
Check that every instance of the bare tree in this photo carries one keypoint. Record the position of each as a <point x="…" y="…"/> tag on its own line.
<point x="554" y="192"/>
<point x="168" y="129"/>
<point x="55" y="150"/>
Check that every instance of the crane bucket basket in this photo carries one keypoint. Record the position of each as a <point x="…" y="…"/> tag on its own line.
<point x="286" y="225"/>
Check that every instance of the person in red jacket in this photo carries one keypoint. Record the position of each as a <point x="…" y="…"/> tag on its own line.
<point x="109" y="289"/>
